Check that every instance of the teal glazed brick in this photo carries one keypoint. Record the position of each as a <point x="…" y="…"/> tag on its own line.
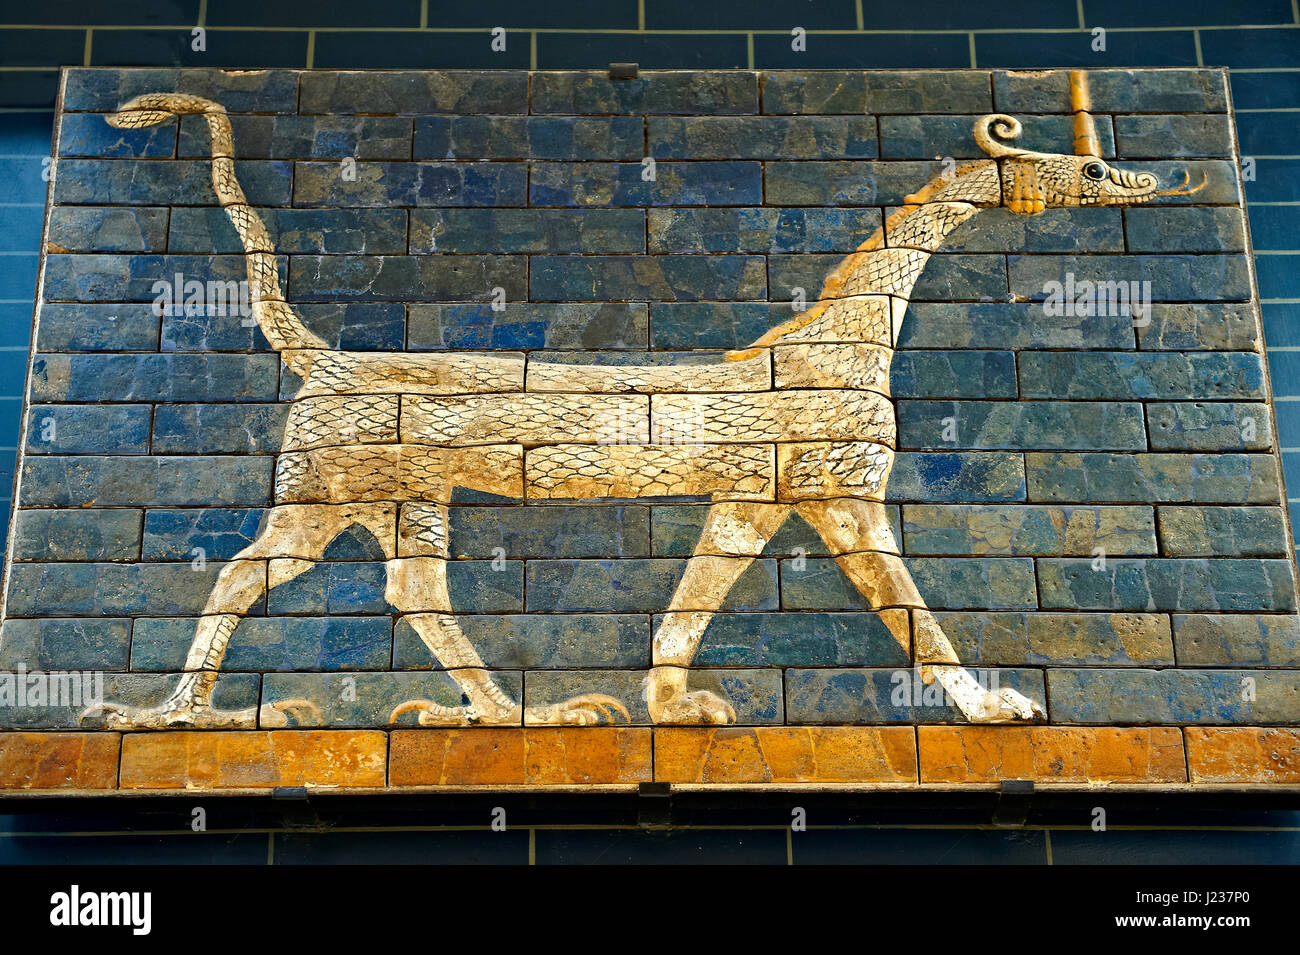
<point x="97" y="534"/>
<point x="88" y="429"/>
<point x="530" y="137"/>
<point x="87" y="134"/>
<point x="270" y="643"/>
<point x="528" y="325"/>
<point x="755" y="694"/>
<point x="51" y="644"/>
<point x="1266" y="640"/>
<point x="234" y="691"/>
<point x="1011" y="425"/>
<point x="651" y="93"/>
<point x="182" y="182"/>
<point x="1173" y="696"/>
<point x="394" y="277"/>
<point x="946" y="277"/>
<point x="712" y="324"/>
<point x="239" y="91"/>
<point x="1009" y="325"/>
<point x="1081" y="639"/>
<point x="1222" y="532"/>
<point x="1153" y="478"/>
<point x="414" y="92"/>
<point x="1230" y="584"/>
<point x="798" y="639"/>
<point x="956" y="374"/>
<point x="218" y="532"/>
<point x="363" y="326"/>
<point x="633" y="585"/>
<point x="1121" y="375"/>
<point x="841" y="183"/>
<point x="111" y="590"/>
<point x="527" y="230"/>
<point x="79" y="326"/>
<point x="762" y="137"/>
<point x="1000" y="583"/>
<point x="107" y="229"/>
<point x="957" y="476"/>
<point x="190" y="481"/>
<point x="887" y="695"/>
<point x="579" y="531"/>
<point x="1173" y="278"/>
<point x="557" y="278"/>
<point x="1054" y="230"/>
<point x="368" y="699"/>
<point x="304" y="137"/>
<point x="761" y="229"/>
<point x="1017" y="530"/>
<point x="294" y="231"/>
<point x="713" y="183"/>
<point x="925" y="137"/>
<point x="538" y="641"/>
<point x="896" y="91"/>
<point x="1129" y="91"/>
<point x="136" y="278"/>
<point x="1162" y="136"/>
<point x="388" y="184"/>
<point x="1200" y="328"/>
<point x="1209" y="426"/>
<point x="218" y="428"/>
<point x="1187" y="229"/>
<point x="154" y="377"/>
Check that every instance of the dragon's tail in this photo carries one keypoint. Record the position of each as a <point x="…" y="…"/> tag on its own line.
<point x="277" y="319"/>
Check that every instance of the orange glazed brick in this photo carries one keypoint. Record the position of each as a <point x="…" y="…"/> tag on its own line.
<point x="1243" y="754"/>
<point x="776" y="754"/>
<point x="504" y="756"/>
<point x="254" y="759"/>
<point x="59" y="760"/>
<point x="1064" y="754"/>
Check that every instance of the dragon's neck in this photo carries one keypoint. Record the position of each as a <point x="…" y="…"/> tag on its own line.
<point x="890" y="262"/>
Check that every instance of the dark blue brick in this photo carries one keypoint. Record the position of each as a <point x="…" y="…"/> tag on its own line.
<point x="219" y="532"/>
<point x="88" y="429"/>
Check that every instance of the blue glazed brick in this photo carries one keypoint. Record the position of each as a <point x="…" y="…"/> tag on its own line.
<point x="92" y="644"/>
<point x="760" y="229"/>
<point x="1160" y="136"/>
<point x="97" y="229"/>
<point x="88" y="429"/>
<point x="1148" y="478"/>
<point x="755" y="694"/>
<point x="154" y="377"/>
<point x="1017" y="530"/>
<point x="218" y="429"/>
<point x="270" y="643"/>
<point x="1080" y="639"/>
<point x="363" y="326"/>
<point x="957" y="476"/>
<point x="957" y="374"/>
<point x="1263" y="90"/>
<point x="303" y="137"/>
<point x="894" y="92"/>
<point x="1009" y="325"/>
<point x="1250" y="49"/>
<point x="530" y="325"/>
<point x="1274" y="181"/>
<point x="1141" y="375"/>
<point x="946" y="276"/>
<point x="357" y="587"/>
<point x="712" y="325"/>
<point x="368" y="699"/>
<point x="1042" y="51"/>
<point x="141" y="278"/>
<point x="531" y="641"/>
<point x="234" y="692"/>
<point x="633" y="585"/>
<point x="1205" y="639"/>
<point x="626" y="277"/>
<point x="651" y="93"/>
<point x="882" y="695"/>
<point x="838" y="183"/>
<point x="1173" y="696"/>
<point x="420" y="93"/>
<point x="623" y="184"/>
<point x="694" y="51"/>
<point x="1209" y="426"/>
<point x="1275" y="273"/>
<point x="1259" y="134"/>
<point x="925" y="137"/>
<point x="97" y="534"/>
<point x="301" y="231"/>
<point x="1168" y="584"/>
<point x="527" y="230"/>
<point x="183" y="182"/>
<point x="1055" y="230"/>
<point x="1271" y="227"/>
<point x="167" y="47"/>
<point x="762" y="137"/>
<point x="107" y="590"/>
<point x="393" y="278"/>
<point x="162" y="481"/>
<point x="76" y="326"/>
<point x="1172" y="277"/>
<point x="530" y="137"/>
<point x="219" y="532"/>
<point x="87" y="134"/>
<point x="798" y="639"/>
<point x="1021" y="424"/>
<point x="675" y="530"/>
<point x="388" y="184"/>
<point x="1194" y="229"/>
<point x="584" y="531"/>
<point x="948" y="583"/>
<point x="1222" y="531"/>
<point x="263" y="91"/>
<point x="1200" y="328"/>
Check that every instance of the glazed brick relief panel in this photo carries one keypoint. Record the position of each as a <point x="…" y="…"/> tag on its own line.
<point x="451" y="429"/>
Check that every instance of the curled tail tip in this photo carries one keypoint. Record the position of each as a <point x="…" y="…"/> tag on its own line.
<point x="150" y="109"/>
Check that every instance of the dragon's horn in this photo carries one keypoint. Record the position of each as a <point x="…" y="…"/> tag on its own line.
<point x="1086" y="142"/>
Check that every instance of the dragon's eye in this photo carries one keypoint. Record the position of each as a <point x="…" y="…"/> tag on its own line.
<point x="1095" y="170"/>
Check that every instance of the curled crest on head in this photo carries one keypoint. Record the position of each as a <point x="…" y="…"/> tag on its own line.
<point x="993" y="131"/>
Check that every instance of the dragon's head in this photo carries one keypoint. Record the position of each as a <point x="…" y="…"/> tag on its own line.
<point x="1032" y="182"/>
